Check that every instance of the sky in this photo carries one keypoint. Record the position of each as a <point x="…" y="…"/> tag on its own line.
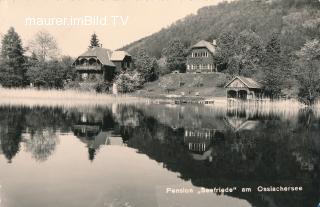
<point x="116" y="22"/>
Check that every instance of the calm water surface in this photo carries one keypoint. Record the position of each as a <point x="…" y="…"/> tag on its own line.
<point x="130" y="155"/>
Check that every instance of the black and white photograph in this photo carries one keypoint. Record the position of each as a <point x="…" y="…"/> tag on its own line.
<point x="160" y="103"/>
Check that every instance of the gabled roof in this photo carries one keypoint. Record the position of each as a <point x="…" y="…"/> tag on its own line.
<point x="249" y="82"/>
<point x="205" y="44"/>
<point x="104" y="55"/>
<point x="119" y="55"/>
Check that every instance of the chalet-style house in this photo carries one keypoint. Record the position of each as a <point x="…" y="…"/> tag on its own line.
<point x="98" y="63"/>
<point x="244" y="88"/>
<point x="200" y="58"/>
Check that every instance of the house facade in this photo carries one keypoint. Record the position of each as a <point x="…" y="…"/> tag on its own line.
<point x="100" y="64"/>
<point x="200" y="58"/>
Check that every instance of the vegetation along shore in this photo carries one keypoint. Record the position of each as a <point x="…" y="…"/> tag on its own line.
<point x="274" y="45"/>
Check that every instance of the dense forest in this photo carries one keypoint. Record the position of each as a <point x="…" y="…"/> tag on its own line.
<point x="295" y="20"/>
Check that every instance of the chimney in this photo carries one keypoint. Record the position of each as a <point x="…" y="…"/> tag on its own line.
<point x="214" y="42"/>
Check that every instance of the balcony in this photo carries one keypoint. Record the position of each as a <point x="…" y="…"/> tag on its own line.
<point x="88" y="67"/>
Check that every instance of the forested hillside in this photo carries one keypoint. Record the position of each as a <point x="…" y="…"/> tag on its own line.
<point x="275" y="42"/>
<point x="296" y="20"/>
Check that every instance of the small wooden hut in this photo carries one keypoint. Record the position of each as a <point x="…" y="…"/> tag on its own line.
<point x="244" y="88"/>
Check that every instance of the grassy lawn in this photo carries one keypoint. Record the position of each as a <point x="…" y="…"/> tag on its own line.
<point x="212" y="86"/>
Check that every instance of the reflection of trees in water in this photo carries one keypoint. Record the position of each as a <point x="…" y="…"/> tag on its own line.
<point x="268" y="150"/>
<point x="274" y="152"/>
<point x="40" y="122"/>
<point x="11" y="126"/>
<point x="42" y="144"/>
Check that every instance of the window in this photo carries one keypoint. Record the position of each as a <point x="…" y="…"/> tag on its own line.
<point x="84" y="76"/>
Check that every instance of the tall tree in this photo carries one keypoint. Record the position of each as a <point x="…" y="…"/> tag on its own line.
<point x="248" y="53"/>
<point x="274" y="67"/>
<point x="146" y="65"/>
<point x="12" y="68"/>
<point x="308" y="71"/>
<point x="175" y="54"/>
<point x="44" y="45"/>
<point x="94" y="41"/>
<point x="225" y="49"/>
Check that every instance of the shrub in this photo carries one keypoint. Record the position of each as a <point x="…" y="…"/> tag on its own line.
<point x="129" y="82"/>
<point x="72" y="85"/>
<point x="197" y="81"/>
<point x="102" y="87"/>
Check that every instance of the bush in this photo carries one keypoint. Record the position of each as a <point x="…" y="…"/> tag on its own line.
<point x="10" y="80"/>
<point x="72" y="85"/>
<point x="102" y="87"/>
<point x="129" y="82"/>
<point x="197" y="82"/>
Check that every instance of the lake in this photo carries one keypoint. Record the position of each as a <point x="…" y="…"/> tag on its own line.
<point x="156" y="155"/>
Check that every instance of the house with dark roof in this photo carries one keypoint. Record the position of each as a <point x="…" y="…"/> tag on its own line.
<point x="200" y="58"/>
<point x="244" y="88"/>
<point x="98" y="63"/>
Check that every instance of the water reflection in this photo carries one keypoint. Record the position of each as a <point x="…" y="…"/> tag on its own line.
<point x="207" y="146"/>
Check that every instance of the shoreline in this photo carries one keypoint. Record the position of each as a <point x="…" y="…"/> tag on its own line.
<point x="69" y="95"/>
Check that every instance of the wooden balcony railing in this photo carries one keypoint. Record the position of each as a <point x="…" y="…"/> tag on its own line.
<point x="88" y="67"/>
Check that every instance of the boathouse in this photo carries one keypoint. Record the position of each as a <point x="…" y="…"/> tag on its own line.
<point x="244" y="88"/>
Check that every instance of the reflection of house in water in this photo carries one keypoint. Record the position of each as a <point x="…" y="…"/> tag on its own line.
<point x="199" y="142"/>
<point x="115" y="140"/>
<point x="94" y="132"/>
<point x="242" y="125"/>
<point x="305" y="163"/>
<point x="238" y="124"/>
<point x="239" y="120"/>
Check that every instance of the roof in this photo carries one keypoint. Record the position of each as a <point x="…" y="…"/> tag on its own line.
<point x="249" y="82"/>
<point x="104" y="55"/>
<point x="119" y="55"/>
<point x="238" y="124"/>
<point x="205" y="44"/>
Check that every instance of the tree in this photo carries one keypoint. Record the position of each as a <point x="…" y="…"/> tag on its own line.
<point x="51" y="74"/>
<point x="274" y="67"/>
<point x="240" y="55"/>
<point x="146" y="66"/>
<point x="44" y="45"/>
<point x="12" y="67"/>
<point x="248" y="54"/>
<point x="225" y="48"/>
<point x="175" y="54"/>
<point x="42" y="144"/>
<point x="66" y="65"/>
<point x="308" y="71"/>
<point x="94" y="41"/>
